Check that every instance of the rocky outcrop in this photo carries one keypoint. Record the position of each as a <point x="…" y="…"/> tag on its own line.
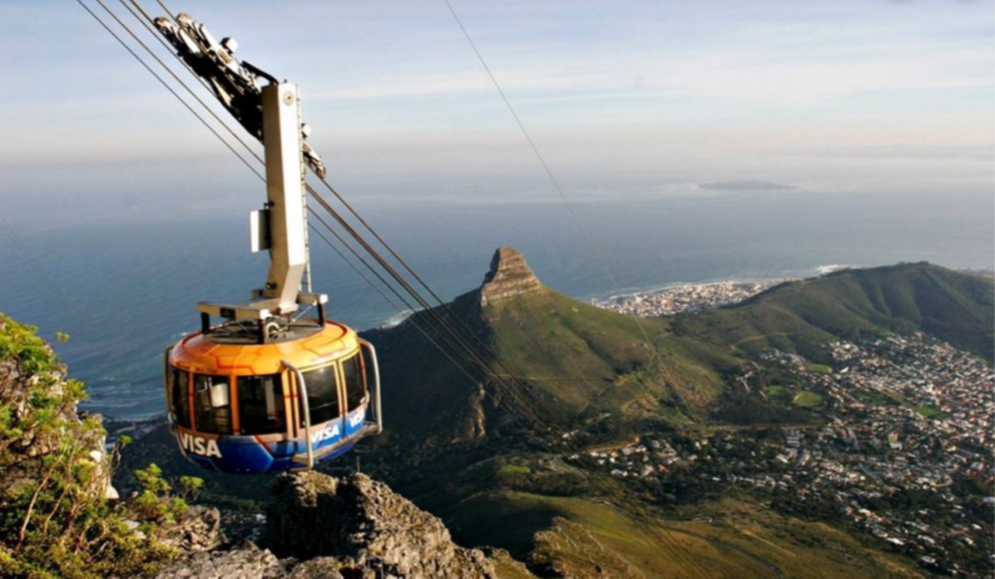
<point x="364" y="524"/>
<point x="509" y="276"/>
<point x="320" y="526"/>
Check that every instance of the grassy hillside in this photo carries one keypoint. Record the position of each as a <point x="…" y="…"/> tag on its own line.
<point x="579" y="537"/>
<point x="592" y="360"/>
<point x="562" y="363"/>
<point x="801" y="316"/>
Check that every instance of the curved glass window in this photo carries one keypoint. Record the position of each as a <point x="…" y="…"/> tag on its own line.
<point x="211" y="404"/>
<point x="260" y="404"/>
<point x="355" y="388"/>
<point x="322" y="394"/>
<point x="177" y="386"/>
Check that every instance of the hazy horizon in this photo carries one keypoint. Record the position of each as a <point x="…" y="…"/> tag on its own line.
<point x="619" y="96"/>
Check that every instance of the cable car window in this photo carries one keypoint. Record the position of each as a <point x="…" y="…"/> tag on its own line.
<point x="177" y="383"/>
<point x="260" y="404"/>
<point x="211" y="404"/>
<point x="170" y="392"/>
<point x="322" y="394"/>
<point x="368" y="364"/>
<point x="355" y="389"/>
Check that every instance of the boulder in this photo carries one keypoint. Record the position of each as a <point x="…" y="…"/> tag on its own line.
<point x="199" y="530"/>
<point x="246" y="561"/>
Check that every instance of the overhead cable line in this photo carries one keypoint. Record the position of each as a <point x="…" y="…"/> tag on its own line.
<point x="400" y="297"/>
<point x="469" y="354"/>
<point x="386" y="298"/>
<point x="165" y="84"/>
<point x="148" y="22"/>
<point x="578" y="223"/>
<point x="595" y="249"/>
<point x="428" y="309"/>
<point x="440" y="303"/>
<point x="654" y="356"/>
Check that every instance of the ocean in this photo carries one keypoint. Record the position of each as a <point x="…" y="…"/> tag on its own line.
<point x="125" y="285"/>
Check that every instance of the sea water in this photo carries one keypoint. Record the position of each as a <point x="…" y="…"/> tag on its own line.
<point x="124" y="286"/>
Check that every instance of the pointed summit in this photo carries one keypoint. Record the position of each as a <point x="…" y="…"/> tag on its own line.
<point x="509" y="276"/>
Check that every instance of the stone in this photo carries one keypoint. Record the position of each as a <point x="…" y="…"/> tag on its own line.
<point x="355" y="527"/>
<point x="321" y="567"/>
<point x="198" y="530"/>
<point x="246" y="561"/>
<point x="509" y="276"/>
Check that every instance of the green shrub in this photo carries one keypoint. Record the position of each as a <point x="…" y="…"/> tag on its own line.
<point x="54" y="519"/>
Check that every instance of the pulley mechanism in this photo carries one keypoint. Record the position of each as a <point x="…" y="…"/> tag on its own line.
<point x="236" y="84"/>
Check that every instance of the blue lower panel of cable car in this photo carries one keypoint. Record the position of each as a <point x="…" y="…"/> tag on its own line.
<point x="355" y="420"/>
<point x="256" y="454"/>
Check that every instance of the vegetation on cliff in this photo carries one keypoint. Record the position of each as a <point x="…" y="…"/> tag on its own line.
<point x="59" y="513"/>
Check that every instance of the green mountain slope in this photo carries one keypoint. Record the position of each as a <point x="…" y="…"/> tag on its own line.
<point x="801" y="316"/>
<point x="571" y="365"/>
<point x="591" y="360"/>
<point x="577" y="537"/>
<point x="558" y="361"/>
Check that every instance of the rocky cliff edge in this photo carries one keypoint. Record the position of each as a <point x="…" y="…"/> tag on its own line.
<point x="321" y="526"/>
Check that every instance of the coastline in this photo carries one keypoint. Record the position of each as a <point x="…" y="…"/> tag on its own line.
<point x="684" y="297"/>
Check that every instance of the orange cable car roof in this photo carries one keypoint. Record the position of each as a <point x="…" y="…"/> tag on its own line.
<point x="204" y="355"/>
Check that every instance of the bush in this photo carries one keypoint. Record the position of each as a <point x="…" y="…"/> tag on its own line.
<point x="54" y="519"/>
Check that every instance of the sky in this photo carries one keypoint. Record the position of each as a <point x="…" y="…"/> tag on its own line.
<point x="617" y="96"/>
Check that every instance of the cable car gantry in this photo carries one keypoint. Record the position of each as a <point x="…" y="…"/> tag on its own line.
<point x="267" y="389"/>
<point x="221" y="390"/>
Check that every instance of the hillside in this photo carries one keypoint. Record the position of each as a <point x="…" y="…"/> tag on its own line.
<point x="559" y="363"/>
<point x="803" y="315"/>
<point x="577" y="537"/>
<point x="568" y="365"/>
<point x="596" y="372"/>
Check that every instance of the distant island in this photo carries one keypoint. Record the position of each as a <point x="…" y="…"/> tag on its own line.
<point x="745" y="185"/>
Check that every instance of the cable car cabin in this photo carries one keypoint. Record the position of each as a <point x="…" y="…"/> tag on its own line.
<point x="305" y="396"/>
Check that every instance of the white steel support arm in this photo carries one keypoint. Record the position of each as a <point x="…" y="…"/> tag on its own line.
<point x="284" y="194"/>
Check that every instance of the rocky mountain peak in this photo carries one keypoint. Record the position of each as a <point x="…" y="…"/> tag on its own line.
<point x="509" y="276"/>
